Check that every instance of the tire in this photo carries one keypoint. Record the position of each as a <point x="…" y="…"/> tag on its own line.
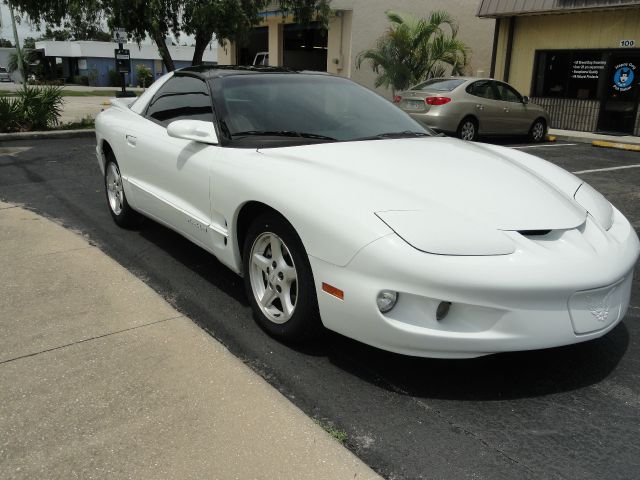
<point x="289" y="307"/>
<point x="121" y="212"/>
<point x="537" y="131"/>
<point x="468" y="129"/>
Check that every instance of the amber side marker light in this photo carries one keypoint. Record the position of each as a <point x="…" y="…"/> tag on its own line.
<point x="331" y="290"/>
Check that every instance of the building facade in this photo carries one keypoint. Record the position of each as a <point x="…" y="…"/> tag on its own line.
<point x="579" y="59"/>
<point x="354" y="26"/>
<point x="94" y="60"/>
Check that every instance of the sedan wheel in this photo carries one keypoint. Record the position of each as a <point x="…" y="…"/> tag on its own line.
<point x="468" y="130"/>
<point x="279" y="281"/>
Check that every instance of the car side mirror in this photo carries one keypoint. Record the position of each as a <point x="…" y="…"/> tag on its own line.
<point x="525" y="99"/>
<point x="195" y="130"/>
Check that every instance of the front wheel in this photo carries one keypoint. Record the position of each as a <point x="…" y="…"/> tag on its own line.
<point x="468" y="130"/>
<point x="279" y="281"/>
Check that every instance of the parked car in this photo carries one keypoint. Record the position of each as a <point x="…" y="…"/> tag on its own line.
<point x="469" y="107"/>
<point x="4" y="75"/>
<point x="261" y="59"/>
<point x="339" y="209"/>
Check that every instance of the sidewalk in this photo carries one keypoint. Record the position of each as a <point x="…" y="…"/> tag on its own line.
<point x="101" y="378"/>
<point x="589" y="137"/>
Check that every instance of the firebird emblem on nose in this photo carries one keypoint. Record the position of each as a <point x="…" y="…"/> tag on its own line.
<point x="599" y="308"/>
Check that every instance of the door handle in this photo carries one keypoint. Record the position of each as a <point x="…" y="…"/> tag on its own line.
<point x="480" y="107"/>
<point x="131" y="140"/>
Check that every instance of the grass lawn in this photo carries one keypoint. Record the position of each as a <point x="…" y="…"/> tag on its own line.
<point x="73" y="93"/>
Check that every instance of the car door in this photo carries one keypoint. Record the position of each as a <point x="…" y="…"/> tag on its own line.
<point x="515" y="118"/>
<point x="483" y="104"/>
<point x="171" y="176"/>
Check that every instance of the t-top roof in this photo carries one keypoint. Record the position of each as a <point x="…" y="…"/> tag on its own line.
<point x="214" y="71"/>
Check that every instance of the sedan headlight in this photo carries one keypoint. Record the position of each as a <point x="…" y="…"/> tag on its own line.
<point x="595" y="203"/>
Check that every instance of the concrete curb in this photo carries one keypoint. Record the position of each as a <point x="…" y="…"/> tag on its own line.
<point x="618" y="146"/>
<point x="47" y="135"/>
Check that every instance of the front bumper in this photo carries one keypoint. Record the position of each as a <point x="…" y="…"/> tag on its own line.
<point x="532" y="299"/>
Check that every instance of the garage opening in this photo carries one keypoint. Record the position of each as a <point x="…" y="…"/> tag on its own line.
<point x="305" y="47"/>
<point x="258" y="43"/>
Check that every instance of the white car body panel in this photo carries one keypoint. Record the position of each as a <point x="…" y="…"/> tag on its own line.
<point x="353" y="203"/>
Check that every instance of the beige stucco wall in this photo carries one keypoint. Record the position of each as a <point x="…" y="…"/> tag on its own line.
<point x="370" y="22"/>
<point x="359" y="23"/>
<point x="602" y="29"/>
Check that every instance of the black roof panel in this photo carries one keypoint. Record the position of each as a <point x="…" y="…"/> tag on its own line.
<point x="214" y="71"/>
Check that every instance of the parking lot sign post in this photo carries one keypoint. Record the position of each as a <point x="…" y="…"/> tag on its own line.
<point x="123" y="60"/>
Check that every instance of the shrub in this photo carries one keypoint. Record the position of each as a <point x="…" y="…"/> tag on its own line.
<point x="10" y="114"/>
<point x="115" y="79"/>
<point x="81" y="80"/>
<point x="144" y="76"/>
<point x="41" y="106"/>
<point x="34" y="108"/>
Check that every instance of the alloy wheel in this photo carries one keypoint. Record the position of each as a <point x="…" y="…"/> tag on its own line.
<point x="115" y="193"/>
<point x="468" y="131"/>
<point x="273" y="277"/>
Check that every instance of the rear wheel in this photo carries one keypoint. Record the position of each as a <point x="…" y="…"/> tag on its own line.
<point x="468" y="129"/>
<point x="120" y="210"/>
<point x="279" y="281"/>
<point x="537" y="131"/>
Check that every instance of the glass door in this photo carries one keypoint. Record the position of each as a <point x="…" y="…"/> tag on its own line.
<point x="621" y="93"/>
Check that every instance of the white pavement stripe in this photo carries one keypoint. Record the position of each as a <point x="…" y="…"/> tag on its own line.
<point x="548" y="146"/>
<point x="607" y="169"/>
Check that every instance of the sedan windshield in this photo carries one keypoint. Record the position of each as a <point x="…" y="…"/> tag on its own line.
<point x="307" y="108"/>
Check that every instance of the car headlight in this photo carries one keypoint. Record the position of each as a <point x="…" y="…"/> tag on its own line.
<point x="594" y="202"/>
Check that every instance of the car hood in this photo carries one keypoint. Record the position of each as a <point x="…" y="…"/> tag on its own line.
<point x="496" y="188"/>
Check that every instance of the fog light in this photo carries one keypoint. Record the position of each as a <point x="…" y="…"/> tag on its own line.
<point x="442" y="310"/>
<point x="387" y="300"/>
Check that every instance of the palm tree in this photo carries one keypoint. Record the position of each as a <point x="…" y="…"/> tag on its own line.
<point x="415" y="49"/>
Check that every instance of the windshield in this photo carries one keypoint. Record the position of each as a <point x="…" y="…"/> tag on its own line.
<point x="3" y="70"/>
<point x="314" y="107"/>
<point x="440" y="84"/>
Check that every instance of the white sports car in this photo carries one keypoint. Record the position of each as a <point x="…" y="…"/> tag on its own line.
<point x="340" y="210"/>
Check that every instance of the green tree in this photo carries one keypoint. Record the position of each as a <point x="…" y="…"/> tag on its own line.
<point x="414" y="49"/>
<point x="4" y="43"/>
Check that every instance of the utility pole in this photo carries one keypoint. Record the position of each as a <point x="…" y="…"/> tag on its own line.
<point x="18" y="50"/>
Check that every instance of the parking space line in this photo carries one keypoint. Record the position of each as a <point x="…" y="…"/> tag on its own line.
<point x="607" y="169"/>
<point x="548" y="146"/>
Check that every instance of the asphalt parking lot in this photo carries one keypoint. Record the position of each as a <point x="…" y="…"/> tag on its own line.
<point x="571" y="412"/>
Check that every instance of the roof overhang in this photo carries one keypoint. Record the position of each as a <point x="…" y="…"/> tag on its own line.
<point x="512" y="8"/>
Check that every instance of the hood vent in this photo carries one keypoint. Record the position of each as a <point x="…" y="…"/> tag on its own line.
<point x="534" y="233"/>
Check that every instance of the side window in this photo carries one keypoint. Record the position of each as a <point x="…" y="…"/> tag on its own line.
<point x="181" y="98"/>
<point x="507" y="93"/>
<point x="482" y="89"/>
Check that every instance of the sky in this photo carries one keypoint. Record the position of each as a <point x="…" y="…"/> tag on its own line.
<point x="24" y="29"/>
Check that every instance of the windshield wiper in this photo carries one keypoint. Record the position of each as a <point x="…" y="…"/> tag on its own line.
<point x="282" y="133"/>
<point x="403" y="134"/>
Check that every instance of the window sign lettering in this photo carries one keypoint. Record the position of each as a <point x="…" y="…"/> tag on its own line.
<point x="627" y="43"/>
<point x="587" y="69"/>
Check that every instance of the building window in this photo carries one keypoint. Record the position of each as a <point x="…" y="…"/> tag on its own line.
<point x="570" y="74"/>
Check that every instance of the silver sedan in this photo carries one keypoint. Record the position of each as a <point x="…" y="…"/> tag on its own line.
<point x="468" y="107"/>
